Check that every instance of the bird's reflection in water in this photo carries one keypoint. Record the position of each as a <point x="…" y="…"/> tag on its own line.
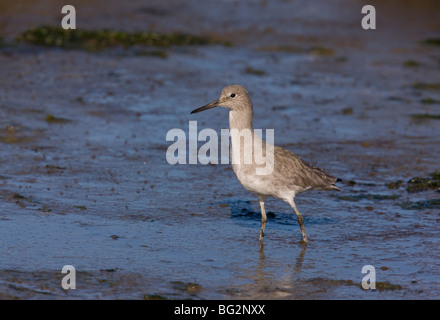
<point x="297" y="265"/>
<point x="274" y="276"/>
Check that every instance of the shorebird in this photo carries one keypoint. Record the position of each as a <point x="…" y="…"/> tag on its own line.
<point x="289" y="176"/>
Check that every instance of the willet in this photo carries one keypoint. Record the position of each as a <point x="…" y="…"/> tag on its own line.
<point x="290" y="175"/>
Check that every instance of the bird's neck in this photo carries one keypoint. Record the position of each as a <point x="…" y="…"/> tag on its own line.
<point x="241" y="120"/>
<point x="249" y="153"/>
<point x="242" y="137"/>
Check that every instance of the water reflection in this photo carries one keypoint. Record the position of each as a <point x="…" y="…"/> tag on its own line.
<point x="272" y="277"/>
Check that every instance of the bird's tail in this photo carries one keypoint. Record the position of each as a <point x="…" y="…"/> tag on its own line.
<point x="333" y="187"/>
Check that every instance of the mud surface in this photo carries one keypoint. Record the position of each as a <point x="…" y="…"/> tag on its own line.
<point x="84" y="179"/>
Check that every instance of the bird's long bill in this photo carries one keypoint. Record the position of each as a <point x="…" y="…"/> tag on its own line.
<point x="211" y="105"/>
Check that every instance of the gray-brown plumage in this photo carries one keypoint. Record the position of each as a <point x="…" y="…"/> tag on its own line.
<point x="302" y="173"/>
<point x="263" y="168"/>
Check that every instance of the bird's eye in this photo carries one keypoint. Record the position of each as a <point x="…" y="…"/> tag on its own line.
<point x="232" y="95"/>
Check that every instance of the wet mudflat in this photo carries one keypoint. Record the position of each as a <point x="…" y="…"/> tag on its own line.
<point x="84" y="179"/>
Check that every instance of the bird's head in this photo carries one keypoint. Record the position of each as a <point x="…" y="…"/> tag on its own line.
<point x="234" y="97"/>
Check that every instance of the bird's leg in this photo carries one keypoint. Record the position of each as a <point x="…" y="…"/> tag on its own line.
<point x="263" y="220"/>
<point x="300" y="221"/>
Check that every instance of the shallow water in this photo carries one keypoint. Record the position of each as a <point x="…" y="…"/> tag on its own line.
<point x="96" y="191"/>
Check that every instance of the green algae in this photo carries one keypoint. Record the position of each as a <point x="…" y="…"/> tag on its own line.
<point x="52" y="119"/>
<point x="282" y="48"/>
<point x="321" y="51"/>
<point x="256" y="72"/>
<point x="426" y="86"/>
<point x="154" y="297"/>
<point x="12" y="135"/>
<point x="424" y="116"/>
<point x="421" y="205"/>
<point x="155" y="53"/>
<point x="347" y="111"/>
<point x="189" y="287"/>
<point x="52" y="167"/>
<point x="367" y="196"/>
<point x="435" y="175"/>
<point x="429" y="101"/>
<point x="20" y="197"/>
<point x="418" y="184"/>
<point x="411" y="63"/>
<point x="379" y="285"/>
<point x="394" y="185"/>
<point x="432" y="41"/>
<point x="317" y="50"/>
<point x="93" y="40"/>
<point x="386" y="285"/>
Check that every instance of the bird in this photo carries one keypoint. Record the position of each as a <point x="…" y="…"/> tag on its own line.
<point x="287" y="175"/>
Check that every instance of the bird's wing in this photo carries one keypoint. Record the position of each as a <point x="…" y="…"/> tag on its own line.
<point x="300" y="172"/>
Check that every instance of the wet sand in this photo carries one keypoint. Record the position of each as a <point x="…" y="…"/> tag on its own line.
<point x="84" y="179"/>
